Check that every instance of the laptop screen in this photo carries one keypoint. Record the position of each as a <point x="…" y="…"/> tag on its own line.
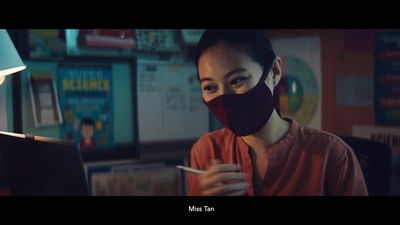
<point x="41" y="166"/>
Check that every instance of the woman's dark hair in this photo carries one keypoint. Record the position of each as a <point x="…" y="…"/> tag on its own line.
<point x="254" y="42"/>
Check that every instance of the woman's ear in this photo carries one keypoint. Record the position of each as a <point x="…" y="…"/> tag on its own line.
<point x="276" y="70"/>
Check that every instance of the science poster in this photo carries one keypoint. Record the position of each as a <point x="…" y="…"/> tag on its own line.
<point x="86" y="105"/>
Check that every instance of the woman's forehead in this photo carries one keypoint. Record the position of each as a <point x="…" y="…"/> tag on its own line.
<point x="222" y="56"/>
<point x="221" y="59"/>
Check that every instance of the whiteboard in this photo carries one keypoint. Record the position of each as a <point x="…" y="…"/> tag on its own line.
<point x="170" y="105"/>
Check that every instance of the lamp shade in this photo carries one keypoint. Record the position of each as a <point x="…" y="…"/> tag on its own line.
<point x="10" y="60"/>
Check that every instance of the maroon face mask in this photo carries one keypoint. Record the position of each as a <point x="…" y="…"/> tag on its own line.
<point x="246" y="113"/>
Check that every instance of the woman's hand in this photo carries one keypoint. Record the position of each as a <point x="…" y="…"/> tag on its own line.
<point x="223" y="179"/>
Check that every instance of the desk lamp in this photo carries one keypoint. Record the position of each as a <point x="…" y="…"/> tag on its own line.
<point x="10" y="60"/>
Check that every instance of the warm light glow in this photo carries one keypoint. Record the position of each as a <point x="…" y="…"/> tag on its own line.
<point x="4" y="73"/>
<point x="11" y="70"/>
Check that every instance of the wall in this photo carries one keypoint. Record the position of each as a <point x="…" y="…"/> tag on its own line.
<point x="338" y="58"/>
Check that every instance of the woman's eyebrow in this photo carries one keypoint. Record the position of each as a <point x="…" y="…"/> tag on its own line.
<point x="230" y="73"/>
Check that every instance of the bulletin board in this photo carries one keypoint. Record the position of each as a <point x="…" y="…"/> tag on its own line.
<point x="170" y="106"/>
<point x="123" y="105"/>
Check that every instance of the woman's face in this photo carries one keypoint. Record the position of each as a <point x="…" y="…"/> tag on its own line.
<point x="226" y="70"/>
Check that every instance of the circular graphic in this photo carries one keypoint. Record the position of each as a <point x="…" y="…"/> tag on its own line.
<point x="298" y="90"/>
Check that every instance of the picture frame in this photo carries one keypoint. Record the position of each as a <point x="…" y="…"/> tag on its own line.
<point x="46" y="44"/>
<point x="44" y="97"/>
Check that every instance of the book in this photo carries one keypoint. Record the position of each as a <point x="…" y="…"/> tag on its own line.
<point x="134" y="178"/>
<point x="86" y="103"/>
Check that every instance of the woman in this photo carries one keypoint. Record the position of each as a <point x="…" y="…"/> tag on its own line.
<point x="258" y="152"/>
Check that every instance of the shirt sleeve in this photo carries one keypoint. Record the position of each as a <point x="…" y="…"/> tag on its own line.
<point x="192" y="178"/>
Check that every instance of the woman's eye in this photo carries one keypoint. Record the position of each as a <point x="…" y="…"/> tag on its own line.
<point x="208" y="88"/>
<point x="237" y="80"/>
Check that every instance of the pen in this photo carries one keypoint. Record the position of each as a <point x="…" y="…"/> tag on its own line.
<point x="190" y="169"/>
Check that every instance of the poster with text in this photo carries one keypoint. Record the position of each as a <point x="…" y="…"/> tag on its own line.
<point x="86" y="106"/>
<point x="387" y="78"/>
<point x="299" y="87"/>
<point x="389" y="135"/>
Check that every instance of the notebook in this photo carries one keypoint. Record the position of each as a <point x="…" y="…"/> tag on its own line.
<point x="42" y="166"/>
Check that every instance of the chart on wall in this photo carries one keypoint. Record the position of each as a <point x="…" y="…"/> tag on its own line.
<point x="170" y="105"/>
<point x="387" y="78"/>
<point x="299" y="87"/>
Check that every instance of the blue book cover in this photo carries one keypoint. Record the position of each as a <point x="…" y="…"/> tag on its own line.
<point x="86" y="104"/>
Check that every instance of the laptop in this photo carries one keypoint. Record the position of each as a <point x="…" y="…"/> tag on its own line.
<point x="42" y="166"/>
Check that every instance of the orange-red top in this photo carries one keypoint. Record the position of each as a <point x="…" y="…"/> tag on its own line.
<point x="307" y="162"/>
